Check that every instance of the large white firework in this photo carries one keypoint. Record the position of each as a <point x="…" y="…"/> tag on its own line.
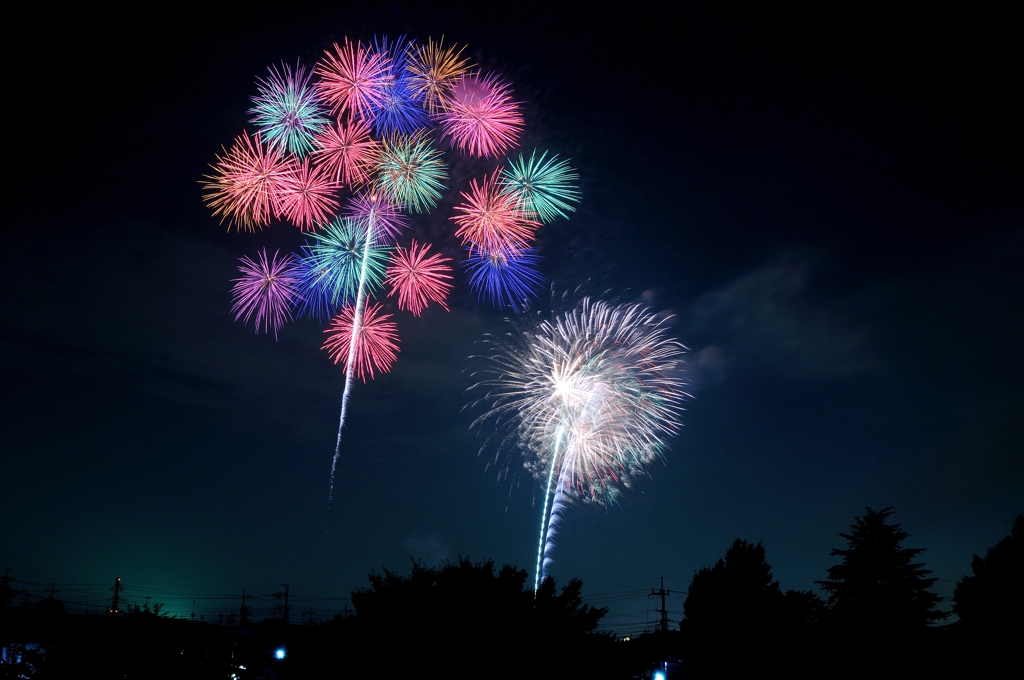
<point x="588" y="398"/>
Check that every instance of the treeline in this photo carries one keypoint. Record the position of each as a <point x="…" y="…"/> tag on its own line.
<point x="878" y="617"/>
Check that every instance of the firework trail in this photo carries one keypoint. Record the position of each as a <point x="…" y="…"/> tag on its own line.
<point x="589" y="397"/>
<point x="350" y="360"/>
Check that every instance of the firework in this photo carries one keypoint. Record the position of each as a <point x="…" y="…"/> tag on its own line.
<point x="353" y="79"/>
<point x="434" y="71"/>
<point x="410" y="172"/>
<point x="332" y="270"/>
<point x="480" y="117"/>
<point x="590" y="397"/>
<point x="347" y="152"/>
<point x="418" y="278"/>
<point x="245" y="183"/>
<point x="287" y="110"/>
<point x="490" y="220"/>
<point x="372" y="207"/>
<point x="268" y="289"/>
<point x="504" y="279"/>
<point x="542" y="186"/>
<point x="400" y="110"/>
<point x="306" y="196"/>
<point x="375" y="341"/>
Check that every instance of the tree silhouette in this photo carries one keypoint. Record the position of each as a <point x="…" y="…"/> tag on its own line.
<point x="737" y="593"/>
<point x="993" y="597"/>
<point x="738" y="620"/>
<point x="878" y="585"/>
<point x="463" y="616"/>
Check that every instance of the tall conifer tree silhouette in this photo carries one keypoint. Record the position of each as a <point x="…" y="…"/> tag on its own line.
<point x="878" y="585"/>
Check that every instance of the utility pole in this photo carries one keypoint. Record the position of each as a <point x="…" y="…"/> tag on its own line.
<point x="53" y="589"/>
<point x="115" y="602"/>
<point x="193" y="610"/>
<point x="663" y="624"/>
<point x="285" y="610"/>
<point x="243" y="611"/>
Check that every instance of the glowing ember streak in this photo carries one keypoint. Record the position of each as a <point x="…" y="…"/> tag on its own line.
<point x="287" y="110"/>
<point x="542" y="186"/>
<point x="490" y="220"/>
<point x="418" y="278"/>
<point x="376" y="341"/>
<point x="305" y="196"/>
<point x="245" y="183"/>
<point x="353" y="78"/>
<point x="480" y="117"/>
<point x="434" y="71"/>
<point x="504" y="279"/>
<point x="268" y="289"/>
<point x="590" y="397"/>
<point x="410" y="172"/>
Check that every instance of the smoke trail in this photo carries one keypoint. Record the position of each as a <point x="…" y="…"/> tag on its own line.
<point x="356" y="320"/>
<point x="544" y="512"/>
<point x="553" y="522"/>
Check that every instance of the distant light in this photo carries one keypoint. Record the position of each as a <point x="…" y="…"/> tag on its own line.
<point x="279" y="654"/>
<point x="658" y="675"/>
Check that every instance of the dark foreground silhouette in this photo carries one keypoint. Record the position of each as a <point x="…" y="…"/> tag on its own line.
<point x="463" y="618"/>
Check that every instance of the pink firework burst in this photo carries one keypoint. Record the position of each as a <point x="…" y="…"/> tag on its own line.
<point x="353" y="79"/>
<point x="305" y="196"/>
<point x="376" y="346"/>
<point x="372" y="208"/>
<point x="245" y="183"/>
<point x="480" y="117"/>
<point x="267" y="288"/>
<point x="418" y="278"/>
<point x="490" y="219"/>
<point x="347" y="152"/>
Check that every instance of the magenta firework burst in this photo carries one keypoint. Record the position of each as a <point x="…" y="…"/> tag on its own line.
<point x="267" y="289"/>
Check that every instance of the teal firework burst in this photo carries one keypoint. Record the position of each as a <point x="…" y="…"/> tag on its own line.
<point x="411" y="172"/>
<point x="545" y="187"/>
<point x="331" y="266"/>
<point x="287" y="110"/>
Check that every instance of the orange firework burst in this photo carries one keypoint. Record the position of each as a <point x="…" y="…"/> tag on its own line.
<point x="246" y="182"/>
<point x="435" y="71"/>
<point x="376" y="340"/>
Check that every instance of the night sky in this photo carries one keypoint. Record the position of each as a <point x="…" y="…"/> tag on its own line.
<point x="830" y="204"/>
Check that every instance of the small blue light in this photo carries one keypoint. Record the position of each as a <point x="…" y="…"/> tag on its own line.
<point x="279" y="654"/>
<point x="658" y="675"/>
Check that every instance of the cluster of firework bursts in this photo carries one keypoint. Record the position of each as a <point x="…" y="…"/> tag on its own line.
<point x="346" y="151"/>
<point x="368" y="121"/>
